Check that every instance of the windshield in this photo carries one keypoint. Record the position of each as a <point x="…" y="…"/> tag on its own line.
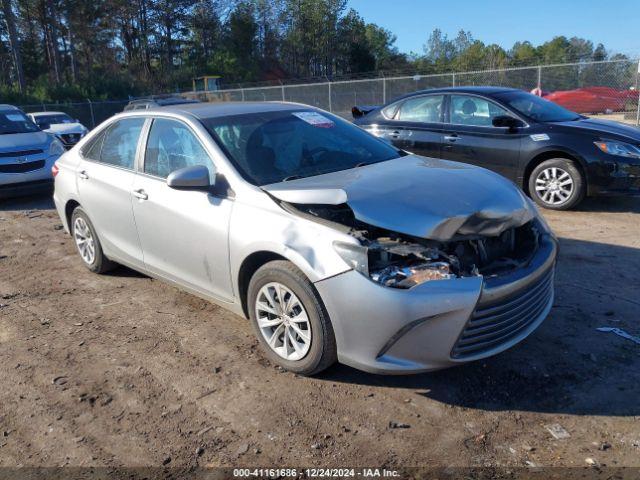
<point x="14" y="121"/>
<point x="537" y="108"/>
<point x="270" y="147"/>
<point x="53" y="119"/>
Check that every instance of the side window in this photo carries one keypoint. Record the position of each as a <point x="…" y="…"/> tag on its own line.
<point x="390" y="110"/>
<point x="120" y="142"/>
<point x="91" y="151"/>
<point x="422" y="109"/>
<point x="468" y="110"/>
<point x="171" y="146"/>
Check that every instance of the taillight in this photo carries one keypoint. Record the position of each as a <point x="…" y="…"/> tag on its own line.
<point x="54" y="170"/>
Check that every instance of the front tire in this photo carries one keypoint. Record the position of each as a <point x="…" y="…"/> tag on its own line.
<point x="557" y="184"/>
<point x="290" y="320"/>
<point x="88" y="244"/>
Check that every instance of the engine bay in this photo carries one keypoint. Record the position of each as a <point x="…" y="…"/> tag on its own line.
<point x="402" y="261"/>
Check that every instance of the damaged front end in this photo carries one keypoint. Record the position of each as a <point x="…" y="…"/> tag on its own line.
<point x="403" y="261"/>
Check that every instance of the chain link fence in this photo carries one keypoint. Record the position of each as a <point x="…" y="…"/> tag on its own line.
<point x="88" y="113"/>
<point x="606" y="89"/>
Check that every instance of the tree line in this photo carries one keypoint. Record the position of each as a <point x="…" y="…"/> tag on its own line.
<point x="104" y="49"/>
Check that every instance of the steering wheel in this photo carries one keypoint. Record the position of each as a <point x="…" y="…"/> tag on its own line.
<point x="310" y="155"/>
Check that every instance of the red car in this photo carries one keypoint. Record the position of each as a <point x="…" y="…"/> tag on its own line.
<point x="593" y="99"/>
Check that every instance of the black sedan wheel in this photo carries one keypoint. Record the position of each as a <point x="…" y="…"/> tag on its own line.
<point x="557" y="184"/>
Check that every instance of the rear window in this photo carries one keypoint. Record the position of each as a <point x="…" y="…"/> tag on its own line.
<point x="270" y="147"/>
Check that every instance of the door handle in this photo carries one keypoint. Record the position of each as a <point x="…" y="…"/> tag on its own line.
<point x="141" y="194"/>
<point x="451" y="138"/>
<point x="83" y="175"/>
<point x="395" y="134"/>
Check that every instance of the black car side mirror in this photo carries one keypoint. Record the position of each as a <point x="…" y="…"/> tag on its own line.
<point x="506" y="121"/>
<point x="191" y="178"/>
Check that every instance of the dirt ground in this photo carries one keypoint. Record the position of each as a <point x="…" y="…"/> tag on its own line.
<point x="123" y="370"/>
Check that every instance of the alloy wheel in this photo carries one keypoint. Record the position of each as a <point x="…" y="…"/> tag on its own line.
<point x="554" y="185"/>
<point x="84" y="240"/>
<point x="283" y="321"/>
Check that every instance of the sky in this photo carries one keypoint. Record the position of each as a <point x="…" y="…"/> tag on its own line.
<point x="615" y="23"/>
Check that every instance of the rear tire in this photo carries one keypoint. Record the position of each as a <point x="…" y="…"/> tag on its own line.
<point x="88" y="243"/>
<point x="557" y="184"/>
<point x="290" y="320"/>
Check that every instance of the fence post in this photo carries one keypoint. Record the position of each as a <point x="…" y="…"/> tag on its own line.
<point x="282" y="88"/>
<point x="384" y="89"/>
<point x="242" y="93"/>
<point x="329" y="84"/>
<point x="540" y="78"/>
<point x="93" y="118"/>
<point x="453" y="79"/>
<point x="638" y="93"/>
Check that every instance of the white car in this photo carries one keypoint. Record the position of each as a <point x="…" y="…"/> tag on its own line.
<point x="65" y="128"/>
<point x="27" y="154"/>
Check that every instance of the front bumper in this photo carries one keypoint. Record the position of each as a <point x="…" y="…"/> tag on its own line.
<point x="28" y="182"/>
<point x="437" y="324"/>
<point x="22" y="189"/>
<point x="613" y="178"/>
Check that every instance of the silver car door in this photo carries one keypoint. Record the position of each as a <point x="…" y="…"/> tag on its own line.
<point x="184" y="233"/>
<point x="105" y="178"/>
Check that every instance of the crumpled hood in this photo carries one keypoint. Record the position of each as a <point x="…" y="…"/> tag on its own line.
<point x="24" y="141"/>
<point x="418" y="196"/>
<point x="603" y="128"/>
<point x="60" y="128"/>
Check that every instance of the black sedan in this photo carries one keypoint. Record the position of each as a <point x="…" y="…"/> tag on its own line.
<point x="557" y="156"/>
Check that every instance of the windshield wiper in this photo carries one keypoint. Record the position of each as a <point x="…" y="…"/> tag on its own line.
<point x="291" y="177"/>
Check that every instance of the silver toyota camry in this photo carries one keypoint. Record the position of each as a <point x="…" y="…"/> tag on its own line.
<point x="336" y="245"/>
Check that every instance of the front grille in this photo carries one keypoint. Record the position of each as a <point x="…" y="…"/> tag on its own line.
<point x="21" y="167"/>
<point x="494" y="324"/>
<point x="22" y="153"/>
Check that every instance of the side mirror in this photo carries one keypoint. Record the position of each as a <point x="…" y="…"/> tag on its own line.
<point x="191" y="178"/>
<point x="506" y="121"/>
<point x="45" y="126"/>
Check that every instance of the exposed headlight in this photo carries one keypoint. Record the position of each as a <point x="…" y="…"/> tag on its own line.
<point x="410" y="276"/>
<point x="56" y="148"/>
<point x="619" y="148"/>
<point x="396" y="276"/>
<point x="355" y="256"/>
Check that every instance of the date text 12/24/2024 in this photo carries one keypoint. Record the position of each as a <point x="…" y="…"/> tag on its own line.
<point x="314" y="473"/>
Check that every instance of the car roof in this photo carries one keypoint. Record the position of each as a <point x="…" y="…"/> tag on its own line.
<point x="223" y="109"/>
<point x="4" y="106"/>
<point x="463" y="89"/>
<point x="41" y="114"/>
<point x="174" y="101"/>
<point x="162" y="101"/>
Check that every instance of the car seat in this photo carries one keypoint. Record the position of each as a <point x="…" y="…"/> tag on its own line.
<point x="260" y="159"/>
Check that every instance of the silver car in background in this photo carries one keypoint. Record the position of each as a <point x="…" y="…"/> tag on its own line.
<point x="336" y="245"/>
<point x="27" y="154"/>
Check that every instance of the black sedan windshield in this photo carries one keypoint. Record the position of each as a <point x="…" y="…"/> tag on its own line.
<point x="270" y="147"/>
<point x="14" y="121"/>
<point x="537" y="108"/>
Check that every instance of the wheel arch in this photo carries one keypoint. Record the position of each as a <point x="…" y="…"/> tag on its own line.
<point x="548" y="155"/>
<point x="69" y="207"/>
<point x="248" y="267"/>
